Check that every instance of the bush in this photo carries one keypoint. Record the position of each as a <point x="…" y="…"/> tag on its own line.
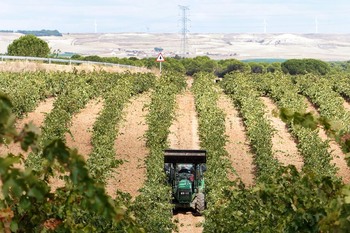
<point x="304" y="66"/>
<point x="29" y="46"/>
<point x="257" y="68"/>
<point x="227" y="66"/>
<point x="273" y="67"/>
<point x="199" y="64"/>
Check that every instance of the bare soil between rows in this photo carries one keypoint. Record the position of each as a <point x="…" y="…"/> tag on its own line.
<point x="237" y="144"/>
<point x="184" y="135"/>
<point x="284" y="146"/>
<point x="338" y="157"/>
<point x="37" y="118"/>
<point x="130" y="146"/>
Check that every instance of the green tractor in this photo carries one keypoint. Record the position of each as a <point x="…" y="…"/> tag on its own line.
<point x="185" y="173"/>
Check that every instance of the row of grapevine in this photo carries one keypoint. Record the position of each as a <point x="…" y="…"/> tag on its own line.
<point x="152" y="207"/>
<point x="330" y="106"/>
<point x="82" y="204"/>
<point x="286" y="200"/>
<point x="243" y="92"/>
<point x="341" y="84"/>
<point x="212" y="138"/>
<point x="102" y="158"/>
<point x="76" y="94"/>
<point x="314" y="151"/>
<point x="25" y="89"/>
<point x="330" y="103"/>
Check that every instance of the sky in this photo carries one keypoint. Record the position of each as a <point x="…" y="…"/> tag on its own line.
<point x="162" y="16"/>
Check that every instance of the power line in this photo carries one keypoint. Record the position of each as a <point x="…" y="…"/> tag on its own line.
<point x="184" y="30"/>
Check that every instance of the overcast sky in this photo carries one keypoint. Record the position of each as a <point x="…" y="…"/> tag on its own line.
<point x="281" y="16"/>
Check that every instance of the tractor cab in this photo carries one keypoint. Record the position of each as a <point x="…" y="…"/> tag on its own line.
<point x="185" y="173"/>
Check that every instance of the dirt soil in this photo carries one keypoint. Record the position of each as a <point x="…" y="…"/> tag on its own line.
<point x="130" y="146"/>
<point x="18" y="66"/>
<point x="237" y="145"/>
<point x="184" y="135"/>
<point x="338" y="157"/>
<point x="36" y="117"/>
<point x="283" y="145"/>
<point x="82" y="127"/>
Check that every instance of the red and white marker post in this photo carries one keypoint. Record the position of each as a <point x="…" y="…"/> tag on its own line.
<point x="160" y="59"/>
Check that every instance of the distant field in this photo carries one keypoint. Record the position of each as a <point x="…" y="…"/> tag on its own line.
<point x="329" y="47"/>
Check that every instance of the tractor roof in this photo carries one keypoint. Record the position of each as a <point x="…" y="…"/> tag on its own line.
<point x="185" y="156"/>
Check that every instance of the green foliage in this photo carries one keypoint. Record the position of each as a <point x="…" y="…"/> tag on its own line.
<point x="274" y="67"/>
<point x="212" y="138"/>
<point x="27" y="203"/>
<point x="25" y="90"/>
<point x="102" y="159"/>
<point x="30" y="46"/>
<point x="283" y="199"/>
<point x="301" y="124"/>
<point x="94" y="58"/>
<point x="244" y="93"/>
<point x="290" y="202"/>
<point x="74" y="97"/>
<point x="257" y="68"/>
<point x="330" y="105"/>
<point x="305" y="66"/>
<point x="199" y="64"/>
<point x="231" y="65"/>
<point x="175" y="65"/>
<point x="152" y="207"/>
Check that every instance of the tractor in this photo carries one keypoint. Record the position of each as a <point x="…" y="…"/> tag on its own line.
<point x="184" y="171"/>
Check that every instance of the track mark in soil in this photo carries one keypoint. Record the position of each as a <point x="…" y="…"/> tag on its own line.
<point x="184" y="135"/>
<point x="338" y="157"/>
<point x="130" y="146"/>
<point x="183" y="131"/>
<point x="82" y="126"/>
<point x="283" y="145"/>
<point x="37" y="118"/>
<point x="237" y="145"/>
<point x="187" y="223"/>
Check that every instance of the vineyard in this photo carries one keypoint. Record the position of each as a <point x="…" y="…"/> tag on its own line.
<point x="92" y="158"/>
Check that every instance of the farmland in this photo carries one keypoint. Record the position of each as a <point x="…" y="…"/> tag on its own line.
<point x="264" y="171"/>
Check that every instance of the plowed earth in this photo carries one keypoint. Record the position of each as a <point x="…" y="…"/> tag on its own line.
<point x="130" y="146"/>
<point x="36" y="117"/>
<point x="338" y="157"/>
<point x="237" y="144"/>
<point x="283" y="145"/>
<point x="184" y="135"/>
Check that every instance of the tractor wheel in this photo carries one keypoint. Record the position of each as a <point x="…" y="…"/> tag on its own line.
<point x="200" y="203"/>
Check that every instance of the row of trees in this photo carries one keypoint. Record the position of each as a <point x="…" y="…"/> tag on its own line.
<point x="30" y="45"/>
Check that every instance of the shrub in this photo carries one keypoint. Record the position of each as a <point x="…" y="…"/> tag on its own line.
<point x="29" y="45"/>
<point x="304" y="66"/>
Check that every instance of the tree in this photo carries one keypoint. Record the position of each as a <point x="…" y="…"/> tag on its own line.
<point x="199" y="64"/>
<point x="304" y="66"/>
<point x="257" y="68"/>
<point x="230" y="65"/>
<point x="29" y="45"/>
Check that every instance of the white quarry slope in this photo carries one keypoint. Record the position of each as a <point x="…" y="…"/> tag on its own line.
<point x="216" y="46"/>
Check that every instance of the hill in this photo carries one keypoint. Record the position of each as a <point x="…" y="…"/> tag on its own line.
<point x="216" y="46"/>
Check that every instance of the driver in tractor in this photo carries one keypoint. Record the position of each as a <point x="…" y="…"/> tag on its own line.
<point x="188" y="170"/>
